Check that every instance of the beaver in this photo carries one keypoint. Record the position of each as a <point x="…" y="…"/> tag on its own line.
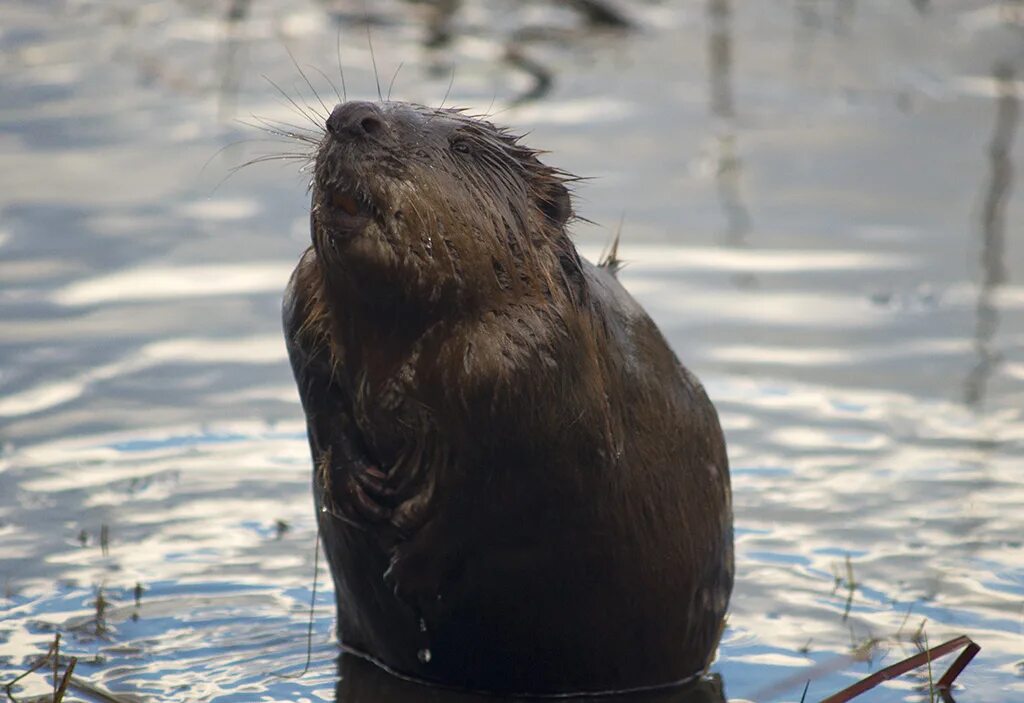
<point x="520" y="488"/>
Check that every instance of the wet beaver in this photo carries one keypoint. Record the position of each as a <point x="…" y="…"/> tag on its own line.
<point x="520" y="488"/>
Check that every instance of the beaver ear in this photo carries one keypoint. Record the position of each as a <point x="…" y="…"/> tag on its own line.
<point x="556" y="203"/>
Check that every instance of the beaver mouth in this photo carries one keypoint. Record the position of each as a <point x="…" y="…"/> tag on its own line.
<point x="347" y="211"/>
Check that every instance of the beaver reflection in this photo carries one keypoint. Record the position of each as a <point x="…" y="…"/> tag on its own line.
<point x="359" y="681"/>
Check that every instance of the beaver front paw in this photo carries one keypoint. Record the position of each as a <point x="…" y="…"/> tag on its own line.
<point x="357" y="493"/>
<point x="368" y="495"/>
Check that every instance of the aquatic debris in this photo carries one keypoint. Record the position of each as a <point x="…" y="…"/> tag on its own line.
<point x="848" y="582"/>
<point x="52" y="655"/>
<point x="921" y="659"/>
<point x="68" y="680"/>
<point x="312" y="609"/>
<point x="862" y="652"/>
<point x="101" y="604"/>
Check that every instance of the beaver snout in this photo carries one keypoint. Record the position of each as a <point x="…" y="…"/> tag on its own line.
<point x="355" y="119"/>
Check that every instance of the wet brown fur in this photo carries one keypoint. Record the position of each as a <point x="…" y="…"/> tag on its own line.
<point x="514" y="472"/>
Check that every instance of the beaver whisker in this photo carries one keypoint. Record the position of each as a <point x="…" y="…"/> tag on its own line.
<point x="272" y="157"/>
<point x="306" y="159"/>
<point x="341" y="71"/>
<point x="251" y="140"/>
<point x="329" y="82"/>
<point x="447" y="92"/>
<point x="317" y="117"/>
<point x="311" y="116"/>
<point x="284" y="129"/>
<point x="391" y="83"/>
<point x="268" y="122"/>
<point x="302" y="73"/>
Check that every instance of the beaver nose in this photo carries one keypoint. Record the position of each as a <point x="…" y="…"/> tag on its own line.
<point x="357" y="119"/>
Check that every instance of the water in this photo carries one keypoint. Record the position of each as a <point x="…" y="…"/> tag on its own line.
<point x="820" y="209"/>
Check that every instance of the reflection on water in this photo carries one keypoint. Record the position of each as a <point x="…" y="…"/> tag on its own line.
<point x="993" y="232"/>
<point x="154" y="478"/>
<point x="362" y="682"/>
<point x="729" y="168"/>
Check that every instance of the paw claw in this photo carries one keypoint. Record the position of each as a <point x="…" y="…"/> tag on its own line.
<point x="365" y="504"/>
<point x="372" y="481"/>
<point x="375" y="473"/>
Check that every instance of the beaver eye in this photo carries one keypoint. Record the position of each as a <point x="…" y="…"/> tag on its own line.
<point x="461" y="146"/>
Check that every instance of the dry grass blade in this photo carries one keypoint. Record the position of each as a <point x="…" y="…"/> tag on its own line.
<point x="58" y="694"/>
<point x="312" y="608"/>
<point x="40" y="663"/>
<point x="56" y="664"/>
<point x="68" y="680"/>
<point x="924" y="658"/>
<point x="97" y="692"/>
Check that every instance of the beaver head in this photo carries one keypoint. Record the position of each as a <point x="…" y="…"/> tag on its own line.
<point x="433" y="210"/>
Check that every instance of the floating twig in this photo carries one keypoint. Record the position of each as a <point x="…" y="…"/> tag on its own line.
<point x="924" y="658"/>
<point x="69" y="680"/>
<point x="58" y="694"/>
<point x="40" y="663"/>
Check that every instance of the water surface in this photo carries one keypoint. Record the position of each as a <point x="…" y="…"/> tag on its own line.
<point x="820" y="209"/>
